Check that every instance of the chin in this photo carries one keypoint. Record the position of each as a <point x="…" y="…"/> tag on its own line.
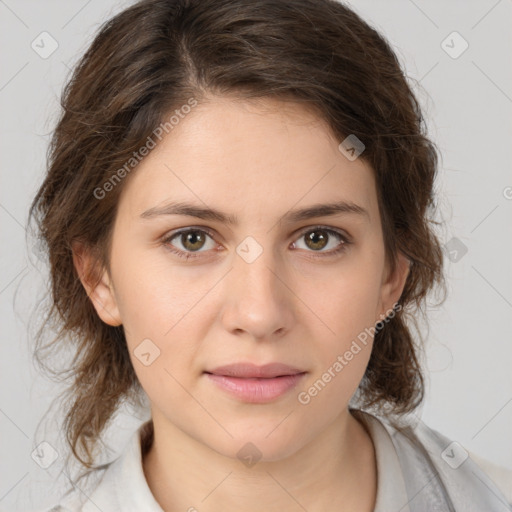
<point x="251" y="445"/>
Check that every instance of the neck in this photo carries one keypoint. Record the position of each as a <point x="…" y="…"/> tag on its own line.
<point x="336" y="470"/>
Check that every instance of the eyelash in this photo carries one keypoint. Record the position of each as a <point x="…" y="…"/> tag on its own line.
<point x="344" y="242"/>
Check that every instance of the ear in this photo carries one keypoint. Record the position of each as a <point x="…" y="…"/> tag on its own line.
<point x="97" y="284"/>
<point x="393" y="285"/>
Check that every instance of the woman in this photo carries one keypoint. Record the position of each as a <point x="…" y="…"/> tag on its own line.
<point x="238" y="214"/>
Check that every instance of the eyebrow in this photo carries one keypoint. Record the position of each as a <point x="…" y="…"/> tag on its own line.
<point x="199" y="212"/>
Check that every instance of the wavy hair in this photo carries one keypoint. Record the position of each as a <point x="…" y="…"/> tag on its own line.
<point x="149" y="60"/>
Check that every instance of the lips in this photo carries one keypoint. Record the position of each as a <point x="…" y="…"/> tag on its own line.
<point x="252" y="371"/>
<point x="256" y="384"/>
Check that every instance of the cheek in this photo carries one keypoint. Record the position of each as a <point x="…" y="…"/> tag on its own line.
<point x="158" y="307"/>
<point x="153" y="296"/>
<point x="347" y="306"/>
<point x="347" y="301"/>
<point x="343" y="350"/>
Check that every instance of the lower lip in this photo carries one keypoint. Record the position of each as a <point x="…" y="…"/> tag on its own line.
<point x="256" y="391"/>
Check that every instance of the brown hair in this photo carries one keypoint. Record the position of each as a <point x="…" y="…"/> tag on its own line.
<point x="152" y="58"/>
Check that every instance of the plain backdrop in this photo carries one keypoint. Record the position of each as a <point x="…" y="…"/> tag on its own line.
<point x="466" y="94"/>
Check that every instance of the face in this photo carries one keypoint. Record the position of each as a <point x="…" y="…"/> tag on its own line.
<point x="266" y="279"/>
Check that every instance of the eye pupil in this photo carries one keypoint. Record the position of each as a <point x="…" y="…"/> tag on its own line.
<point x="319" y="241"/>
<point x="191" y="238"/>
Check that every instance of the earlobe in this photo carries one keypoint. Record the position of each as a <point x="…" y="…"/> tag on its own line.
<point x="97" y="284"/>
<point x="393" y="285"/>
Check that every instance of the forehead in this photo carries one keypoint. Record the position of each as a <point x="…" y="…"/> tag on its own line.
<point x="250" y="156"/>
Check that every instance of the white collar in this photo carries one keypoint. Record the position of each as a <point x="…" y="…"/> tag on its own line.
<point x="411" y="475"/>
<point x="124" y="486"/>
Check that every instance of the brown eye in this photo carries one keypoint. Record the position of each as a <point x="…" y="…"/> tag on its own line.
<point x="192" y="240"/>
<point x="316" y="239"/>
<point x="187" y="242"/>
<point x="324" y="241"/>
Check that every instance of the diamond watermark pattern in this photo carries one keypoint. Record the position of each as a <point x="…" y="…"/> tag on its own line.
<point x="454" y="45"/>
<point x="45" y="454"/>
<point x="455" y="250"/>
<point x="44" y="45"/>
<point x="249" y="454"/>
<point x="454" y="455"/>
<point x="249" y="249"/>
<point x="352" y="147"/>
<point x="146" y="352"/>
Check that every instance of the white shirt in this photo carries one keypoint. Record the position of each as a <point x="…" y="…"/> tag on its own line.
<point x="418" y="470"/>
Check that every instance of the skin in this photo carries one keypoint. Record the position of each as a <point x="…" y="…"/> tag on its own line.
<point x="294" y="304"/>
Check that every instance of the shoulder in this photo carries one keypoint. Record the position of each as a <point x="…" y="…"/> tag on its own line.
<point x="57" y="508"/>
<point x="77" y="495"/>
<point x="116" y="485"/>
<point x="71" y="503"/>
<point x="501" y="476"/>
<point x="438" y="470"/>
<point x="64" y="506"/>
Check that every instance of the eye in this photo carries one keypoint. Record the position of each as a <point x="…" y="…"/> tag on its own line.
<point x="186" y="242"/>
<point x="190" y="242"/>
<point x="319" y="238"/>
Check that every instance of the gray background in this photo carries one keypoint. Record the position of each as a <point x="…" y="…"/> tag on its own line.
<point x="467" y="102"/>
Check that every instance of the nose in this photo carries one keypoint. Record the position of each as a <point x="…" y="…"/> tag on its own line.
<point x="258" y="301"/>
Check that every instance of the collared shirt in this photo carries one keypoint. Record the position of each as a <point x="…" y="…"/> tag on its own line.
<point x="418" y="470"/>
